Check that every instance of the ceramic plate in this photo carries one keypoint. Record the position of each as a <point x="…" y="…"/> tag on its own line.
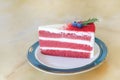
<point x="64" y="65"/>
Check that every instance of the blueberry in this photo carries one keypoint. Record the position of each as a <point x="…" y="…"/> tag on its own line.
<point x="79" y="25"/>
<point x="74" y="24"/>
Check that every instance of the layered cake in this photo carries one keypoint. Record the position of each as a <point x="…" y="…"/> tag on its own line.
<point x="68" y="40"/>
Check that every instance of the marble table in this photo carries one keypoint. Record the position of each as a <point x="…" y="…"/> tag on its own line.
<point x="19" y="21"/>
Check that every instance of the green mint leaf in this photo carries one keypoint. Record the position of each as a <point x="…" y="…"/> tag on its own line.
<point x="90" y="21"/>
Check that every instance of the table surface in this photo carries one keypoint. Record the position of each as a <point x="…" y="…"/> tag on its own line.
<point x="19" y="21"/>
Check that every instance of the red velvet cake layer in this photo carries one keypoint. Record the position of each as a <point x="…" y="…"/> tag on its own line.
<point x="63" y="35"/>
<point x="48" y="43"/>
<point x="66" y="53"/>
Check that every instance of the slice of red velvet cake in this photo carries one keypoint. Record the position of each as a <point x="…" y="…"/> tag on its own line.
<point x="68" y="40"/>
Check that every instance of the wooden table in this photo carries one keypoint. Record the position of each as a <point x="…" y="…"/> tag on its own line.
<point x="19" y="21"/>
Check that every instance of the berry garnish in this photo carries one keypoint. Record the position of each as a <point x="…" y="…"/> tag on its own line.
<point x="83" y="23"/>
<point x="74" y="23"/>
<point x="79" y="25"/>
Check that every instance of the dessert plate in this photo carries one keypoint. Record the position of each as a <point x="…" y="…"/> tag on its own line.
<point x="65" y="65"/>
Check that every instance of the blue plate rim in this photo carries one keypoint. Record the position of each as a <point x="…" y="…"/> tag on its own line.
<point x="32" y="59"/>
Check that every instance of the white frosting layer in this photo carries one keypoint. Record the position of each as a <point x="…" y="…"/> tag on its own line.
<point x="66" y="49"/>
<point x="68" y="40"/>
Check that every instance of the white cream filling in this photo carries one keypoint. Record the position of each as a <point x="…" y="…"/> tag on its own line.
<point x="66" y="49"/>
<point x="77" y="41"/>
